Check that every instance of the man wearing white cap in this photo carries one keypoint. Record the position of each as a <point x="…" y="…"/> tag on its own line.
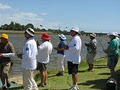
<point x="29" y="60"/>
<point x="73" y="51"/>
<point x="112" y="52"/>
<point x="91" y="51"/>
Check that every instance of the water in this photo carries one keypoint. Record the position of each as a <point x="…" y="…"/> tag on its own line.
<point x="18" y="41"/>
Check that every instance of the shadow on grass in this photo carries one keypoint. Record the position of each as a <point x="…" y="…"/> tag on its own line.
<point x="117" y="76"/>
<point x="104" y="74"/>
<point x="100" y="66"/>
<point x="51" y="76"/>
<point x="82" y="71"/>
<point x="17" y="88"/>
<point x="96" y="84"/>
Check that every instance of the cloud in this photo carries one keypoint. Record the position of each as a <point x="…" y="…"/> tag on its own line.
<point x="44" y="13"/>
<point x="21" y="17"/>
<point x="2" y="6"/>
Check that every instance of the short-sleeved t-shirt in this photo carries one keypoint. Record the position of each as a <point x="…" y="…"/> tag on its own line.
<point x="114" y="45"/>
<point x="61" y="44"/>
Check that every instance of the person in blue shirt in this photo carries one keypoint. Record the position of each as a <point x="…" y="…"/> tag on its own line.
<point x="61" y="54"/>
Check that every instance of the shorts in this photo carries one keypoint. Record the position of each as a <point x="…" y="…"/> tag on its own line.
<point x="72" y="68"/>
<point x="90" y="58"/>
<point x="112" y="61"/>
<point x="42" y="67"/>
<point x="4" y="69"/>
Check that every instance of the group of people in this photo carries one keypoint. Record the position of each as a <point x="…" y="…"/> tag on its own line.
<point x="36" y="56"/>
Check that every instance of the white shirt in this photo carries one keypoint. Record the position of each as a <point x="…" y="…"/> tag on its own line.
<point x="73" y="53"/>
<point x="44" y="50"/>
<point x="29" y="54"/>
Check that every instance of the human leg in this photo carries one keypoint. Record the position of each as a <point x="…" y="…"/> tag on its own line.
<point x="73" y="69"/>
<point x="4" y="73"/>
<point x="90" y="59"/>
<point x="43" y="73"/>
<point x="28" y="81"/>
<point x="60" y="65"/>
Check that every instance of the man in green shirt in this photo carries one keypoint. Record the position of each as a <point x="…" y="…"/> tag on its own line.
<point x="112" y="52"/>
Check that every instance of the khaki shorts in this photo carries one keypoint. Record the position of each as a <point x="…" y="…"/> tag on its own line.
<point x="4" y="69"/>
<point x="90" y="58"/>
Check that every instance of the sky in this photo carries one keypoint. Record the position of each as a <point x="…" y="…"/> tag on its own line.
<point x="88" y="15"/>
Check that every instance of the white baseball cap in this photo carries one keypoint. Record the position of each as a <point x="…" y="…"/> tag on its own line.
<point x="30" y="31"/>
<point x="75" y="29"/>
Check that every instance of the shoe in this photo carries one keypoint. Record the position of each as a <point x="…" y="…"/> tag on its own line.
<point x="4" y="88"/>
<point x="74" y="87"/>
<point x="41" y="85"/>
<point x="59" y="74"/>
<point x="8" y="84"/>
<point x="87" y="70"/>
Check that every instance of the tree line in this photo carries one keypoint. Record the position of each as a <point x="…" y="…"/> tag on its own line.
<point x="18" y="27"/>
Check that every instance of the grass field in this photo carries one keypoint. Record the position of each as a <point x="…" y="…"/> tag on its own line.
<point x="95" y="80"/>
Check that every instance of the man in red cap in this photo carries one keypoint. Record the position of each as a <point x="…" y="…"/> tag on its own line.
<point x="44" y="50"/>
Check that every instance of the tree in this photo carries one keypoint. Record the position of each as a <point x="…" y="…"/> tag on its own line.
<point x="29" y="25"/>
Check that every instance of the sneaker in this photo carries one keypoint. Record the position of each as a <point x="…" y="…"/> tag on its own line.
<point x="8" y="84"/>
<point x="59" y="74"/>
<point x="74" y="87"/>
<point x="41" y="85"/>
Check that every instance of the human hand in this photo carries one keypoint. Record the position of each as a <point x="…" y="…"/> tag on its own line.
<point x="1" y="54"/>
<point x="55" y="48"/>
<point x="66" y="47"/>
<point x="19" y="56"/>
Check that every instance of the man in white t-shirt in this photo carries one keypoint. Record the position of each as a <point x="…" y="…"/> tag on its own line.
<point x="44" y="50"/>
<point x="72" y="52"/>
<point x="28" y="57"/>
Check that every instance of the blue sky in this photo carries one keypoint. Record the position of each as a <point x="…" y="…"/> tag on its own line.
<point x="88" y="15"/>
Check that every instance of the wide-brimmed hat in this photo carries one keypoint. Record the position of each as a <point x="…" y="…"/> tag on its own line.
<point x="111" y="33"/>
<point x="75" y="29"/>
<point x="4" y="36"/>
<point x="93" y="35"/>
<point x="62" y="36"/>
<point x="45" y="36"/>
<point x="30" y="31"/>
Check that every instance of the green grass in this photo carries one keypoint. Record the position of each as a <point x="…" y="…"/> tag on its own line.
<point x="95" y="80"/>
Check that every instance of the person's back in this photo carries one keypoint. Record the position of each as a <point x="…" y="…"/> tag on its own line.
<point x="44" y="50"/>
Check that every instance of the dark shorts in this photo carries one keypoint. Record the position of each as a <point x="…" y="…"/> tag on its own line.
<point x="112" y="61"/>
<point x="72" y="68"/>
<point x="42" y="67"/>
